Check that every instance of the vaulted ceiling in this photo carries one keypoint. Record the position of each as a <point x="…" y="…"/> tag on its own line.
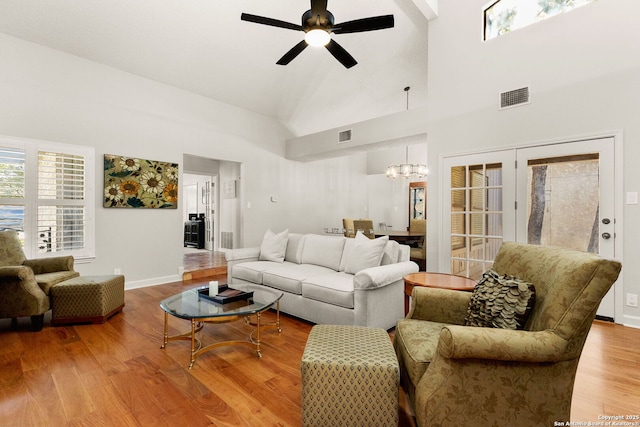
<point x="203" y="47"/>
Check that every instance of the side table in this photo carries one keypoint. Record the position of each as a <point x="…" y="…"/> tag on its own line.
<point x="435" y="280"/>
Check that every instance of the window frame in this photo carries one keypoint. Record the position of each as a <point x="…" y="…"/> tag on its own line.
<point x="31" y="200"/>
<point x="485" y="35"/>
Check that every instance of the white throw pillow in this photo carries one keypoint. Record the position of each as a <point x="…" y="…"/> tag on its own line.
<point x="274" y="246"/>
<point x="366" y="253"/>
<point x="390" y="253"/>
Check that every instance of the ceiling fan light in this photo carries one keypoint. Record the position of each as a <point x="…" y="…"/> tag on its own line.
<point x="317" y="37"/>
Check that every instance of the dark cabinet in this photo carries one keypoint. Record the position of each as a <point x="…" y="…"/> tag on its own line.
<point x="194" y="233"/>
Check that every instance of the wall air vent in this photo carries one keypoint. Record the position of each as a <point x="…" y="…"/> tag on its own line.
<point x="226" y="238"/>
<point x="514" y="98"/>
<point x="344" y="136"/>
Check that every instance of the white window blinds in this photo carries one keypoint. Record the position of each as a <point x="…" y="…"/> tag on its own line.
<point x="61" y="213"/>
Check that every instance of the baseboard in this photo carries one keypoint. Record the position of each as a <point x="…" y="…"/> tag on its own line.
<point x="631" y="321"/>
<point x="151" y="282"/>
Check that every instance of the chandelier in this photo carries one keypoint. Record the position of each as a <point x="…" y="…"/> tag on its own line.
<point x="407" y="170"/>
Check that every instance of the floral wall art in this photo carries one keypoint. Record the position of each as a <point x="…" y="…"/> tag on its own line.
<point x="139" y="183"/>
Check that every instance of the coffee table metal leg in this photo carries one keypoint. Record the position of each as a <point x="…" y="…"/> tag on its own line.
<point x="193" y="342"/>
<point x="276" y="324"/>
<point x="278" y="316"/>
<point x="258" y="336"/>
<point x="166" y="330"/>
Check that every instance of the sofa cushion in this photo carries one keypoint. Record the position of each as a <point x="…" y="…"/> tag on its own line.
<point x="416" y="345"/>
<point x="348" y="246"/>
<point x="365" y="253"/>
<point x="252" y="271"/>
<point x="334" y="288"/>
<point x="294" y="248"/>
<point x="500" y="302"/>
<point x="274" y="246"/>
<point x="288" y="276"/>
<point x="325" y="251"/>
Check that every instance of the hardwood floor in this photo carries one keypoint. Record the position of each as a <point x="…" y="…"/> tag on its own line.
<point x="115" y="374"/>
<point x="202" y="263"/>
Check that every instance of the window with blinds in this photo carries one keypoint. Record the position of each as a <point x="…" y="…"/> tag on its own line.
<point x="61" y="213"/>
<point x="46" y="197"/>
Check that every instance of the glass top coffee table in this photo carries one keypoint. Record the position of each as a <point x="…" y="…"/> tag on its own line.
<point x="196" y="307"/>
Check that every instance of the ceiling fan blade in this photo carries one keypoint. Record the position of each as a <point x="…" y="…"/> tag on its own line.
<point x="293" y="52"/>
<point x="270" y="21"/>
<point x="365" y="24"/>
<point x="319" y="7"/>
<point x="340" y="54"/>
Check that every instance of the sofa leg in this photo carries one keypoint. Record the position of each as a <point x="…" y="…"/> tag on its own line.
<point x="37" y="322"/>
<point x="14" y="323"/>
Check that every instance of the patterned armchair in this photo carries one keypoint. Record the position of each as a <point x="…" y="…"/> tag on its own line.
<point x="459" y="375"/>
<point x="25" y="284"/>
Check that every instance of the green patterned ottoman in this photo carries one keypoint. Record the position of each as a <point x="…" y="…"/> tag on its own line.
<point x="350" y="377"/>
<point x="87" y="299"/>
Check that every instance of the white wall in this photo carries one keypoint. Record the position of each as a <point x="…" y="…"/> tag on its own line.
<point x="54" y="96"/>
<point x="584" y="78"/>
<point x="311" y="195"/>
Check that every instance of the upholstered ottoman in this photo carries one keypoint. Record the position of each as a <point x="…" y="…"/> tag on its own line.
<point x="350" y="377"/>
<point x="87" y="299"/>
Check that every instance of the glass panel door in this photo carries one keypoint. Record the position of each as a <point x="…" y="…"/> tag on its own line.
<point x="567" y="194"/>
<point x="479" y="192"/>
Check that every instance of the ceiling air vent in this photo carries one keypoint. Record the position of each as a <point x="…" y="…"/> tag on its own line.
<point x="514" y="98"/>
<point x="344" y="136"/>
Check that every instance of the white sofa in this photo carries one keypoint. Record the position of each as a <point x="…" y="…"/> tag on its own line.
<point x="329" y="279"/>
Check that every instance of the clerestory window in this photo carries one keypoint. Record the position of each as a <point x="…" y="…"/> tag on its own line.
<point x="503" y="16"/>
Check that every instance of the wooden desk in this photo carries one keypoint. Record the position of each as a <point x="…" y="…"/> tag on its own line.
<point x="435" y="280"/>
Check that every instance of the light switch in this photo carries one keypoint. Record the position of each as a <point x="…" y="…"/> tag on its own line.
<point x="632" y="198"/>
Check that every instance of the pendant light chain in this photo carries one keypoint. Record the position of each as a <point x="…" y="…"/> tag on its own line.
<point x="407" y="170"/>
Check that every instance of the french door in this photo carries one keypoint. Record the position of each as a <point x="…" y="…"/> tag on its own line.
<point x="478" y="202"/>
<point x="557" y="194"/>
<point x="566" y="192"/>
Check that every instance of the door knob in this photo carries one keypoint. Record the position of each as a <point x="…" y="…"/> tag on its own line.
<point x="606" y="235"/>
<point x="606" y="220"/>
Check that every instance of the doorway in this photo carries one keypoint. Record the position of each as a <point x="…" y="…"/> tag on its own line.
<point x="559" y="194"/>
<point x="199" y="213"/>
